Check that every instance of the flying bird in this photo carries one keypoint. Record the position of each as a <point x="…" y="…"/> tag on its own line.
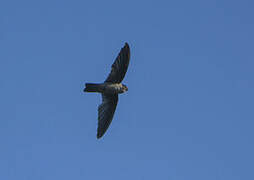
<point x="110" y="89"/>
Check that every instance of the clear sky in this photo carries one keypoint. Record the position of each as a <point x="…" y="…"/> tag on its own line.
<point x="189" y="110"/>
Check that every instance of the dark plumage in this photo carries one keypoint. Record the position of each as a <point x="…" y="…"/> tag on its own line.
<point x="110" y="89"/>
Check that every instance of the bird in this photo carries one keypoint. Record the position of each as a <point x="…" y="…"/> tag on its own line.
<point x="110" y="89"/>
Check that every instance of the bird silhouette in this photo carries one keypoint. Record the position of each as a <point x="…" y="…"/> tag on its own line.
<point x="110" y="89"/>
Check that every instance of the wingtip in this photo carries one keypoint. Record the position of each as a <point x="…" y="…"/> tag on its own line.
<point x="99" y="136"/>
<point x="126" y="47"/>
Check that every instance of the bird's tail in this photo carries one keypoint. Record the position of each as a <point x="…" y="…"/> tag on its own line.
<point x="91" y="87"/>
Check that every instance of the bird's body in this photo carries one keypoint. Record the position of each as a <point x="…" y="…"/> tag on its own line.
<point x="110" y="89"/>
<point x="106" y="88"/>
<point x="115" y="88"/>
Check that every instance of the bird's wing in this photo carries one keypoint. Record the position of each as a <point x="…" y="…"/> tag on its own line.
<point x="120" y="66"/>
<point x="106" y="112"/>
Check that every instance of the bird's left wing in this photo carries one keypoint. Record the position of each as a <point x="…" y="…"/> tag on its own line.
<point x="106" y="112"/>
<point x="120" y="66"/>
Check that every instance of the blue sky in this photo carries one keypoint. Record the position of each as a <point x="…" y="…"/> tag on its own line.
<point x="188" y="113"/>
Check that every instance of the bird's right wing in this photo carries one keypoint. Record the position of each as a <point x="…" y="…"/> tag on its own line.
<point x="106" y="112"/>
<point x="120" y="66"/>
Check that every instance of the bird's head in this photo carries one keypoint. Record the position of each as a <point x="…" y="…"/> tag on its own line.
<point x="125" y="88"/>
